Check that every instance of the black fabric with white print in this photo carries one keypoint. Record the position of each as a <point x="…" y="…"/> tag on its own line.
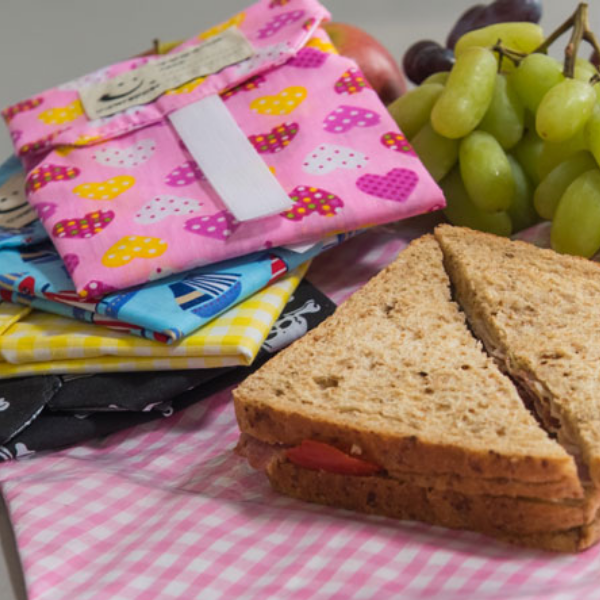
<point x="21" y="401"/>
<point x="51" y="412"/>
<point x="139" y="392"/>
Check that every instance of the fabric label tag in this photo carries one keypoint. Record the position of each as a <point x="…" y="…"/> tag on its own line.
<point x="231" y="164"/>
<point x="15" y="211"/>
<point x="152" y="80"/>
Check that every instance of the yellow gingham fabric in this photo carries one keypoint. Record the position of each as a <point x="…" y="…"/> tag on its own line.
<point x="37" y="343"/>
<point x="11" y="314"/>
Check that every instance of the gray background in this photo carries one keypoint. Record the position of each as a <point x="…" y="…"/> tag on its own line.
<point x="46" y="42"/>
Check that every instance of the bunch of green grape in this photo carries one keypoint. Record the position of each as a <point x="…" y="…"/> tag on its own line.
<point x="511" y="143"/>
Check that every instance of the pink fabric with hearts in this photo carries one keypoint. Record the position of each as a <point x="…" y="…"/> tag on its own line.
<point x="308" y="112"/>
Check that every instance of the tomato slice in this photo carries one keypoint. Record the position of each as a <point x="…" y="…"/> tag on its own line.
<point x="319" y="456"/>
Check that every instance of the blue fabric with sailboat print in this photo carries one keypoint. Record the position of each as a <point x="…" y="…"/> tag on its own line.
<point x="165" y="310"/>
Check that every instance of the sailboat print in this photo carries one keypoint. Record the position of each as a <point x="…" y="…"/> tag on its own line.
<point x="207" y="294"/>
<point x="40" y="256"/>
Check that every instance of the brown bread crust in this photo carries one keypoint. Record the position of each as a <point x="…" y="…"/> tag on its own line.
<point x="525" y="522"/>
<point x="459" y="468"/>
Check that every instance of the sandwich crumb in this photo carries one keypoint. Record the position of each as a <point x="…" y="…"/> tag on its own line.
<point x="356" y="449"/>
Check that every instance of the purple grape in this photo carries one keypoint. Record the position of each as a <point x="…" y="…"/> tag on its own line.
<point x="425" y="58"/>
<point x="517" y="10"/>
<point x="469" y="20"/>
<point x="504" y="11"/>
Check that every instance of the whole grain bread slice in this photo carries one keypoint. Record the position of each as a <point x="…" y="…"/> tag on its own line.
<point x="538" y="313"/>
<point x="396" y="376"/>
<point x="544" y="525"/>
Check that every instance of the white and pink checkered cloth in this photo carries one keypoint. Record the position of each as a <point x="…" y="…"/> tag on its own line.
<point x="166" y="510"/>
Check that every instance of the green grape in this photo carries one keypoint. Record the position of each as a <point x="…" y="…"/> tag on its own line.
<point x="552" y="188"/>
<point x="521" y="211"/>
<point x="522" y="37"/>
<point x="528" y="152"/>
<point x="440" y="77"/>
<point x="486" y="172"/>
<point x="412" y="110"/>
<point x="461" y="211"/>
<point x="505" y="116"/>
<point x="592" y="133"/>
<point x="555" y="153"/>
<point x="576" y="225"/>
<point x="584" y="69"/>
<point x="438" y="154"/>
<point x="467" y="94"/>
<point x="564" y="110"/>
<point x="532" y="79"/>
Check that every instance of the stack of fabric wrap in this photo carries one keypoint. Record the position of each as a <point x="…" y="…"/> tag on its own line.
<point x="153" y="241"/>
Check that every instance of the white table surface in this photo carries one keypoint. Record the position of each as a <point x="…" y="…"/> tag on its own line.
<point x="46" y="42"/>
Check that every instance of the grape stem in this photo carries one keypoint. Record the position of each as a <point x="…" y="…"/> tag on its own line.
<point x="543" y="48"/>
<point x="580" y="23"/>
<point x="504" y="52"/>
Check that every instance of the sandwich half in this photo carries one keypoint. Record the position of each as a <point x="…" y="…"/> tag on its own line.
<point x="392" y="407"/>
<point x="538" y="315"/>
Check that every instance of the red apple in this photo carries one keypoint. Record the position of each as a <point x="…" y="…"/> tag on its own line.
<point x="376" y="63"/>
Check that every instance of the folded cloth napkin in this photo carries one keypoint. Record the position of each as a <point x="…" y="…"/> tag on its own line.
<point x="42" y="343"/>
<point x="160" y="187"/>
<point x="51" y="411"/>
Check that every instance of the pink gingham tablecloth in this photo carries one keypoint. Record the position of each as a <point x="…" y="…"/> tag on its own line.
<point x="167" y="510"/>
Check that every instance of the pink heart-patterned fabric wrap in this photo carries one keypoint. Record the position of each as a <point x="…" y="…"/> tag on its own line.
<point x="307" y="112"/>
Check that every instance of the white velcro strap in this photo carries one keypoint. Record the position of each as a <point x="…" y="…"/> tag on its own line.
<point x="228" y="160"/>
